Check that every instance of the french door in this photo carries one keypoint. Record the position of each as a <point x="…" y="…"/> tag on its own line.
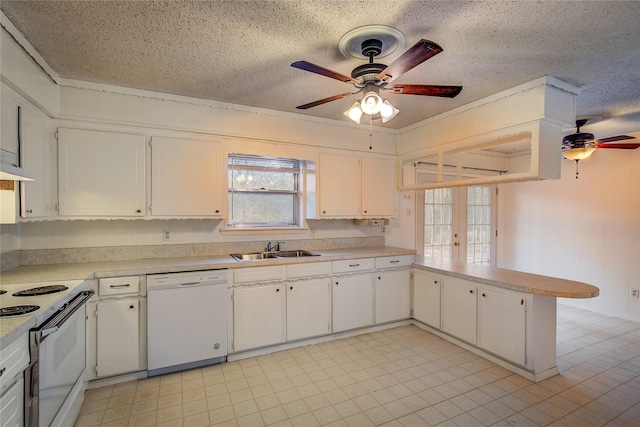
<point x="457" y="224"/>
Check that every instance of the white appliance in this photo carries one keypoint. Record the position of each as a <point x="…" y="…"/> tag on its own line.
<point x="53" y="381"/>
<point x="187" y="320"/>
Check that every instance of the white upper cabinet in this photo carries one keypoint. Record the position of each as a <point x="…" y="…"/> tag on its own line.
<point x="9" y="129"/>
<point x="339" y="186"/>
<point x="35" y="157"/>
<point x="351" y="186"/>
<point x="379" y="187"/>
<point x="101" y="174"/>
<point x="187" y="178"/>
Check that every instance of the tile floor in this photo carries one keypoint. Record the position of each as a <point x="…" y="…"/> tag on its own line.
<point x="398" y="377"/>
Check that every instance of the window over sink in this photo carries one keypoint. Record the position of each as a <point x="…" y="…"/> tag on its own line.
<point x="263" y="191"/>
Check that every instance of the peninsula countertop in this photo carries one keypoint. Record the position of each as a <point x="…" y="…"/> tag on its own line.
<point x="508" y="279"/>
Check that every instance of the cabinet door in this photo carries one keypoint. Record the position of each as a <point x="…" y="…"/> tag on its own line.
<point x="458" y="309"/>
<point x="379" y="192"/>
<point x="12" y="405"/>
<point x="339" y="186"/>
<point x="426" y="298"/>
<point x="118" y="337"/>
<point x="501" y="324"/>
<point x="187" y="178"/>
<point x="9" y="120"/>
<point x="352" y="302"/>
<point x="258" y="316"/>
<point x="308" y="308"/>
<point x="393" y="295"/>
<point x="35" y="155"/>
<point x="101" y="173"/>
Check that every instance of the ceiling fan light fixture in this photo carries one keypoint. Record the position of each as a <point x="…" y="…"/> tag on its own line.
<point x="579" y="153"/>
<point x="371" y="103"/>
<point x="388" y="111"/>
<point x="354" y="112"/>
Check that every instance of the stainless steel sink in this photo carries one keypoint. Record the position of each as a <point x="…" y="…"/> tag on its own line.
<point x="253" y="256"/>
<point x="295" y="254"/>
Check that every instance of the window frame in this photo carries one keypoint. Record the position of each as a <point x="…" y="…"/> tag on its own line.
<point x="297" y="168"/>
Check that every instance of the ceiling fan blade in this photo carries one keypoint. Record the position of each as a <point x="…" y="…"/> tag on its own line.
<point x="308" y="66"/>
<point x="613" y="139"/>
<point x="427" y="90"/>
<point x="324" y="101"/>
<point x="623" y="146"/>
<point x="419" y="53"/>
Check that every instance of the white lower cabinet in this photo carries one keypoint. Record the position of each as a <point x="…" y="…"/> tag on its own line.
<point x="12" y="406"/>
<point x="116" y="327"/>
<point x="393" y="295"/>
<point x="458" y="309"/>
<point x="308" y="308"/>
<point x="426" y="298"/>
<point x="502" y="324"/>
<point x="258" y="316"/>
<point x="118" y="337"/>
<point x="352" y="301"/>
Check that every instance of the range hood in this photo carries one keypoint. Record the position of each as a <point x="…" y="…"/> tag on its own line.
<point x="10" y="171"/>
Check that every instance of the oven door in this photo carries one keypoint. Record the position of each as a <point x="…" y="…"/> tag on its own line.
<point x="57" y="360"/>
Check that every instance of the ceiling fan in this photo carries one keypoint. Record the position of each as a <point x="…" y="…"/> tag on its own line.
<point x="580" y="145"/>
<point x="371" y="78"/>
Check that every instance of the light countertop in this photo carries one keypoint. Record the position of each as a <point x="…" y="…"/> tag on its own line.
<point x="508" y="279"/>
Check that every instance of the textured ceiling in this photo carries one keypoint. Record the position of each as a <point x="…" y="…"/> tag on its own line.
<point x="240" y="51"/>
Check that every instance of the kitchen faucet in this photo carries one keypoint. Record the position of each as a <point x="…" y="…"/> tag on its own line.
<point x="275" y="247"/>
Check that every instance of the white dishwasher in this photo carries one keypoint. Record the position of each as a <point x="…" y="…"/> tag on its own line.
<point x="187" y="320"/>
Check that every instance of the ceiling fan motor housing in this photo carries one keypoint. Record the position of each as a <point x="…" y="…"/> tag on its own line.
<point x="578" y="140"/>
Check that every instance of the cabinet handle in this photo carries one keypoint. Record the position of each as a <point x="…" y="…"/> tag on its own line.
<point x="29" y="211"/>
<point x="395" y="261"/>
<point x="324" y="212"/>
<point x="290" y="288"/>
<point x="470" y="291"/>
<point x="336" y="283"/>
<point x="435" y="281"/>
<point x="521" y="302"/>
<point x="217" y="210"/>
<point x="354" y="265"/>
<point x="131" y="307"/>
<point x="365" y="211"/>
<point x="379" y="278"/>
<point x="124" y="285"/>
<point x="278" y="290"/>
<point x="484" y="295"/>
<point x="138" y="211"/>
<point x="2" y="371"/>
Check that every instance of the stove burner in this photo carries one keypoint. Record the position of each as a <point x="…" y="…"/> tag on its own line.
<point x="2" y="291"/>
<point x="41" y="290"/>
<point x="17" y="310"/>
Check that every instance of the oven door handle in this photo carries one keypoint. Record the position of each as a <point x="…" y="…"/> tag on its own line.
<point x="53" y="323"/>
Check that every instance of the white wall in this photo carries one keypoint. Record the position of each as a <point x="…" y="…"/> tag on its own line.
<point x="585" y="229"/>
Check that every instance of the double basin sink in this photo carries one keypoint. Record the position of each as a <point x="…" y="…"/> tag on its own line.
<point x="252" y="256"/>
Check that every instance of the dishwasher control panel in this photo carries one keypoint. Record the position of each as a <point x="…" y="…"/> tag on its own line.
<point x="192" y="278"/>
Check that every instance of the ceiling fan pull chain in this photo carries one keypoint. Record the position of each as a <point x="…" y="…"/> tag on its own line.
<point x="577" y="169"/>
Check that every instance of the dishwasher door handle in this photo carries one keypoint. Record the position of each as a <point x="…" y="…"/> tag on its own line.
<point x="190" y="284"/>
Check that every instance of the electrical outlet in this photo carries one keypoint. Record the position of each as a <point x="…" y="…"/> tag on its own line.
<point x="384" y="229"/>
<point x="635" y="293"/>
<point x="166" y="235"/>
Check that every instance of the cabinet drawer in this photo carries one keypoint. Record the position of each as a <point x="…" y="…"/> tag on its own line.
<point x="258" y="274"/>
<point x="349" y="265"/>
<point x="394" y="261"/>
<point x="309" y="269"/>
<point x="119" y="285"/>
<point x="14" y="359"/>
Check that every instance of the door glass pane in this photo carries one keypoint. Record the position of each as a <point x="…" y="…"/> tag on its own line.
<point x="438" y="234"/>
<point x="479" y="225"/>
